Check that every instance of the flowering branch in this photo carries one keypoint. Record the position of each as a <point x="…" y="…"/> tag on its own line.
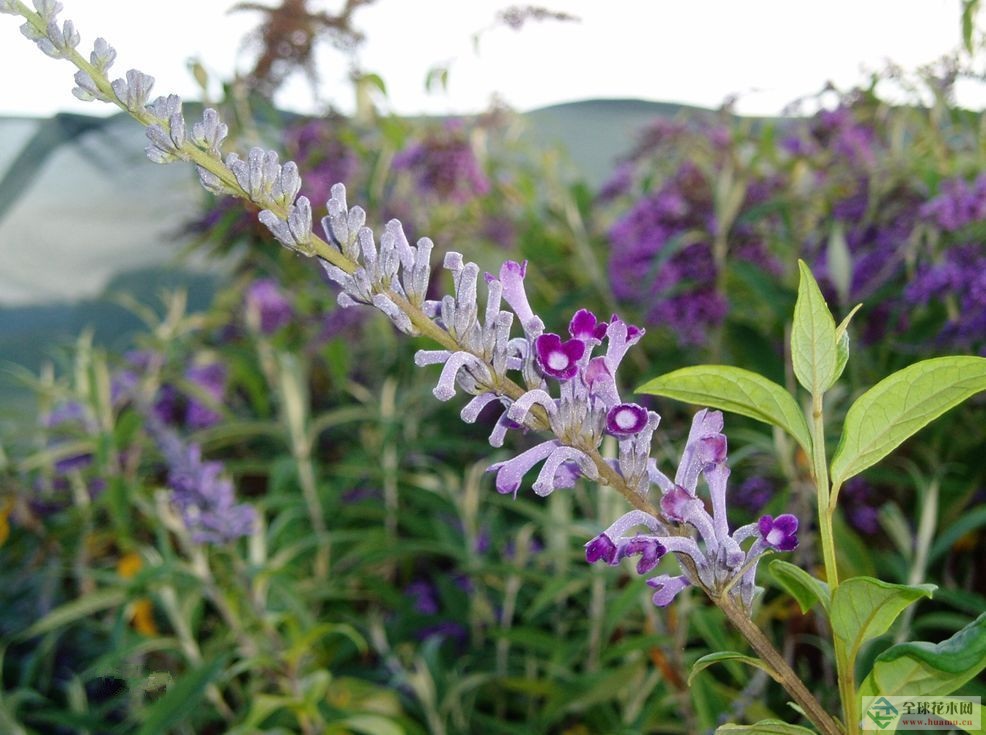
<point x="560" y="386"/>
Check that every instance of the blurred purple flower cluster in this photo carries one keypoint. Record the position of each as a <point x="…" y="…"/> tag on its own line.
<point x="662" y="252"/>
<point x="200" y="492"/>
<point x="195" y="404"/>
<point x="443" y="165"/>
<point x="833" y="190"/>
<point x="322" y="155"/>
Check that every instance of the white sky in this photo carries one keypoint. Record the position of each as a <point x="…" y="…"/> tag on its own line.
<point x="768" y="52"/>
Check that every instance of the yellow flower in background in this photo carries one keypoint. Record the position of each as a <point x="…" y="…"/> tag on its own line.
<point x="129" y="565"/>
<point x="142" y="610"/>
<point x="6" y="507"/>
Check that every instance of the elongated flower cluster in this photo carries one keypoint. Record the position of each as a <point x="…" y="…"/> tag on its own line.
<point x="715" y="554"/>
<point x="561" y="383"/>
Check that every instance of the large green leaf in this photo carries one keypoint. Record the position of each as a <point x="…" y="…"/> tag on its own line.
<point x="803" y="587"/>
<point x="864" y="608"/>
<point x="723" y="656"/>
<point x="920" y="669"/>
<point x="736" y="390"/>
<point x="901" y="404"/>
<point x="766" y="727"/>
<point x="813" y="339"/>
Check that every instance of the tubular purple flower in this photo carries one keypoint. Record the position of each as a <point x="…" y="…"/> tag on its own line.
<point x="556" y="358"/>
<point x="510" y="474"/>
<point x="666" y="588"/>
<point x="522" y="406"/>
<point x="705" y="424"/>
<point x="549" y="478"/>
<point x="512" y="277"/>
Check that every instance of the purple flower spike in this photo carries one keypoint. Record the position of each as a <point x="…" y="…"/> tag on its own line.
<point x="626" y="419"/>
<point x="650" y="550"/>
<point x="601" y="547"/>
<point x="585" y="326"/>
<point x="666" y="588"/>
<point x="780" y="533"/>
<point x="559" y="359"/>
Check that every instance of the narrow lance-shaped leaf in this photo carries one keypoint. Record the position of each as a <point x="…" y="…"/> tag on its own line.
<point x="920" y="669"/>
<point x="813" y="342"/>
<point x="723" y="656"/>
<point x="737" y="390"/>
<point x="766" y="727"/>
<point x="77" y="609"/>
<point x="899" y="406"/>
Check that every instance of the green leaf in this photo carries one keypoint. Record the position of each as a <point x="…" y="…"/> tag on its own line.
<point x="864" y="608"/>
<point x="766" y="727"/>
<point x="181" y="699"/>
<point x="813" y="343"/>
<point x="372" y="725"/>
<point x="736" y="390"/>
<point x="721" y="656"/>
<point x="901" y="404"/>
<point x="920" y="669"/>
<point x="82" y="607"/>
<point x="803" y="587"/>
<point x="842" y="346"/>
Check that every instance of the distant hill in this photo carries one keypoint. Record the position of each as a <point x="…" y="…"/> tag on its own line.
<point x="597" y="132"/>
<point x="84" y="215"/>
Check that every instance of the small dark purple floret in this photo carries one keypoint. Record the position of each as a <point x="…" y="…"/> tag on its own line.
<point x="584" y="325"/>
<point x="601" y="547"/>
<point x="781" y="532"/>
<point x="650" y="550"/>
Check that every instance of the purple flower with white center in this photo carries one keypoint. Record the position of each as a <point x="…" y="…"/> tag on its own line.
<point x="779" y="533"/>
<point x="626" y="419"/>
<point x="556" y="358"/>
<point x="267" y="304"/>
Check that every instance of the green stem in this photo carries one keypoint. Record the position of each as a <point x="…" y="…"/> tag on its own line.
<point x="785" y="675"/>
<point x="826" y="511"/>
<point x="821" y="476"/>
